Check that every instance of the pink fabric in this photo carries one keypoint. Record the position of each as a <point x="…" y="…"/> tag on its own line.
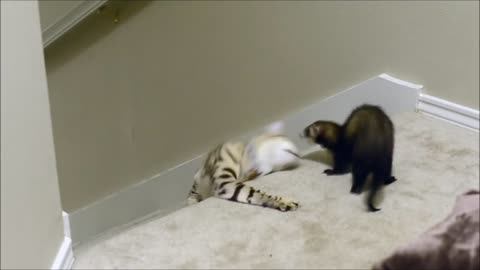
<point x="451" y="244"/>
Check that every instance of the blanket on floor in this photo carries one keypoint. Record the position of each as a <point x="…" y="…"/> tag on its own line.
<point x="451" y="244"/>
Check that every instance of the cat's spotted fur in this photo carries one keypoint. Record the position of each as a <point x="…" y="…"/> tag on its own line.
<point x="222" y="176"/>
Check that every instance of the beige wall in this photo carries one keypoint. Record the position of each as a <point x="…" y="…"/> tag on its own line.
<point x="174" y="78"/>
<point x="32" y="226"/>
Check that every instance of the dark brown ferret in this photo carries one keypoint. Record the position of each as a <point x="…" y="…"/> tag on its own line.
<point x="365" y="141"/>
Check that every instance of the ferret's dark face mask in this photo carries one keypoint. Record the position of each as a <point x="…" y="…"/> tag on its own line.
<point x="310" y="133"/>
<point x="305" y="133"/>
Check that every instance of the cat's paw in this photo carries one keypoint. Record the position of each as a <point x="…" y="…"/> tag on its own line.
<point x="288" y="206"/>
<point x="193" y="200"/>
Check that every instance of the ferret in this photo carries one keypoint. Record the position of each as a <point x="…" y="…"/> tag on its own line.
<point x="270" y="152"/>
<point x="365" y="141"/>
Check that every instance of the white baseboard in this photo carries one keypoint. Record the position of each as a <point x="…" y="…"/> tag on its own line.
<point x="449" y="111"/>
<point x="64" y="258"/>
<point x="66" y="225"/>
<point x="167" y="192"/>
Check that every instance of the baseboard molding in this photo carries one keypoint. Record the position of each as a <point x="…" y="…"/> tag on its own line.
<point x="446" y="110"/>
<point x="66" y="225"/>
<point x="64" y="258"/>
<point x="69" y="20"/>
<point x="166" y="192"/>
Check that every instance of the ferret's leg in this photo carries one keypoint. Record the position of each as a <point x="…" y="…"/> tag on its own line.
<point x="360" y="174"/>
<point x="340" y="165"/>
<point x="390" y="180"/>
<point x="388" y="171"/>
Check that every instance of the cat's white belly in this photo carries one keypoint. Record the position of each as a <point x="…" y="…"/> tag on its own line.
<point x="276" y="155"/>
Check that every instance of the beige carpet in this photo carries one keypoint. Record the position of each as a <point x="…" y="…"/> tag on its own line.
<point x="434" y="161"/>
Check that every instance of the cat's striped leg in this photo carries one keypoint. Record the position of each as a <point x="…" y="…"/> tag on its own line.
<point x="239" y="192"/>
<point x="252" y="174"/>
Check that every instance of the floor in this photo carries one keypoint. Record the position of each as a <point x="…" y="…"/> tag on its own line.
<point x="434" y="161"/>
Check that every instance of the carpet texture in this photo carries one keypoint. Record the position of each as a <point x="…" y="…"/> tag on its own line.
<point x="433" y="161"/>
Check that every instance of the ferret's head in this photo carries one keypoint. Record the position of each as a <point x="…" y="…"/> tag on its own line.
<point x="325" y="133"/>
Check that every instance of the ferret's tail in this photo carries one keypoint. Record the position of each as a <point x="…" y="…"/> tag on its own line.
<point x="276" y="128"/>
<point x="371" y="207"/>
<point x="377" y="183"/>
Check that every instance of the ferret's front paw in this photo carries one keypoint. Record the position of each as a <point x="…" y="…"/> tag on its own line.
<point x="329" y="172"/>
<point x="390" y="180"/>
<point x="356" y="190"/>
